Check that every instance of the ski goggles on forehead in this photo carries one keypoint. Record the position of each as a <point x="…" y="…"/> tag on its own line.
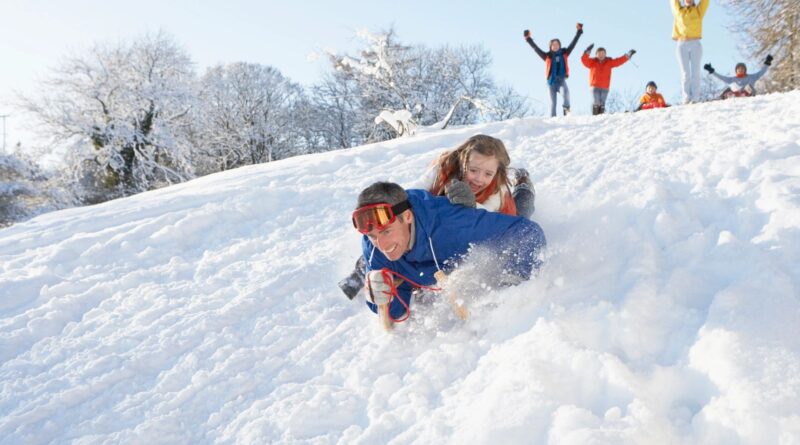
<point x="377" y="216"/>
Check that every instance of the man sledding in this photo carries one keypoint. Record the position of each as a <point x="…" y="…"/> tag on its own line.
<point x="477" y="174"/>
<point x="743" y="84"/>
<point x="412" y="239"/>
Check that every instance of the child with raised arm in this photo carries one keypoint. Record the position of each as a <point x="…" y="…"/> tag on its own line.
<point x="743" y="84"/>
<point x="556" y="67"/>
<point x="600" y="68"/>
<point x="687" y="30"/>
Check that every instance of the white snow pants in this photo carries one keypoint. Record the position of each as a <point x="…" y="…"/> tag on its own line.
<point x="690" y="56"/>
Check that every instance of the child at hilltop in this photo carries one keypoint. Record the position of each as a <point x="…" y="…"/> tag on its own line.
<point x="600" y="68"/>
<point x="743" y="84"/>
<point x="651" y="98"/>
<point x="556" y="67"/>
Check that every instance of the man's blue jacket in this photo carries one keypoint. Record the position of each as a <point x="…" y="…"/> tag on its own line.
<point x="444" y="233"/>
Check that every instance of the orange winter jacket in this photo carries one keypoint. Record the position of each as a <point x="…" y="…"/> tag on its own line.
<point x="652" y="101"/>
<point x="548" y="65"/>
<point x="600" y="72"/>
<point x="548" y="56"/>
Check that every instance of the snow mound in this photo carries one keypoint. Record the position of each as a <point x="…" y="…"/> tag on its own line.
<point x="208" y="312"/>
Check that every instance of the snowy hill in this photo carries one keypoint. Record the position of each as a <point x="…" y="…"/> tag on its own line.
<point x="668" y="310"/>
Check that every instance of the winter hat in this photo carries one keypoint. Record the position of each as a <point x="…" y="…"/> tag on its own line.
<point x="651" y="83"/>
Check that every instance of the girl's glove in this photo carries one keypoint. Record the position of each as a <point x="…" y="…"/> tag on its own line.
<point x="459" y="193"/>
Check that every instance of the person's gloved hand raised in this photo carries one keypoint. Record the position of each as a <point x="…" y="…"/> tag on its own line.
<point x="631" y="53"/>
<point x="379" y="290"/>
<point x="589" y="48"/>
<point x="459" y="193"/>
<point x="579" y="26"/>
<point x="768" y="60"/>
<point x="708" y="68"/>
<point x="527" y="33"/>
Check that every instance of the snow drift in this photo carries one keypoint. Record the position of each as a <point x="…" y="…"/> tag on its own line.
<point x="208" y="312"/>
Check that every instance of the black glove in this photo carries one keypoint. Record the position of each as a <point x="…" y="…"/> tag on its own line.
<point x="579" y="26"/>
<point x="459" y="193"/>
<point x="527" y="33"/>
<point x="768" y="60"/>
<point x="631" y="53"/>
<point x="708" y="68"/>
<point x="589" y="48"/>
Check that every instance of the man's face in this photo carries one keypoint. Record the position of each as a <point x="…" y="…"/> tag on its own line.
<point x="651" y="90"/>
<point x="689" y="2"/>
<point x="601" y="55"/>
<point x="740" y="70"/>
<point x="393" y="239"/>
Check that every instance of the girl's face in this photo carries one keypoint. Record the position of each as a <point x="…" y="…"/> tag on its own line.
<point x="555" y="46"/>
<point x="480" y="171"/>
<point x="651" y="90"/>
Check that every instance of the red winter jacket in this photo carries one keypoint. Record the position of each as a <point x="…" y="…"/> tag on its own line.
<point x="600" y="72"/>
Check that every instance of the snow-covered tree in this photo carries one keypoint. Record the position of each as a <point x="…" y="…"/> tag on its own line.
<point x="771" y="27"/>
<point x="507" y="103"/>
<point x="452" y="83"/>
<point x="383" y="77"/>
<point x="710" y="88"/>
<point x="124" y="111"/>
<point x="622" y="101"/>
<point x="245" y="116"/>
<point x="305" y="130"/>
<point x="434" y="86"/>
<point x="336" y="103"/>
<point x="338" y="117"/>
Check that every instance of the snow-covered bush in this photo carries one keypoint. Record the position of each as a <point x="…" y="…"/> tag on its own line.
<point x="26" y="190"/>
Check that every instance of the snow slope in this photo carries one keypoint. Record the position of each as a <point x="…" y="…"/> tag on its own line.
<point x="208" y="312"/>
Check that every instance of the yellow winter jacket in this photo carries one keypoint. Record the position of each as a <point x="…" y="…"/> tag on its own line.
<point x="688" y="24"/>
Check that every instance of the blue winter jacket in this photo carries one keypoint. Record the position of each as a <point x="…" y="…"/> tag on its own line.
<point x="444" y="233"/>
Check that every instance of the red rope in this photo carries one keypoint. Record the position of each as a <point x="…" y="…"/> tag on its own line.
<point x="386" y="274"/>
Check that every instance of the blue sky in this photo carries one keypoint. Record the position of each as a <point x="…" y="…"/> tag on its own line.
<point x="34" y="34"/>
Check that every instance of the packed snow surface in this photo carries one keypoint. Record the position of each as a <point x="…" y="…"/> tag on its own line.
<point x="668" y="310"/>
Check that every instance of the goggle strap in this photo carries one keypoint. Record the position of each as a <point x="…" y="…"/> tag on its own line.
<point x="401" y="207"/>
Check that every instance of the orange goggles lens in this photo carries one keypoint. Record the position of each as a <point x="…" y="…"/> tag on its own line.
<point x="377" y="216"/>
